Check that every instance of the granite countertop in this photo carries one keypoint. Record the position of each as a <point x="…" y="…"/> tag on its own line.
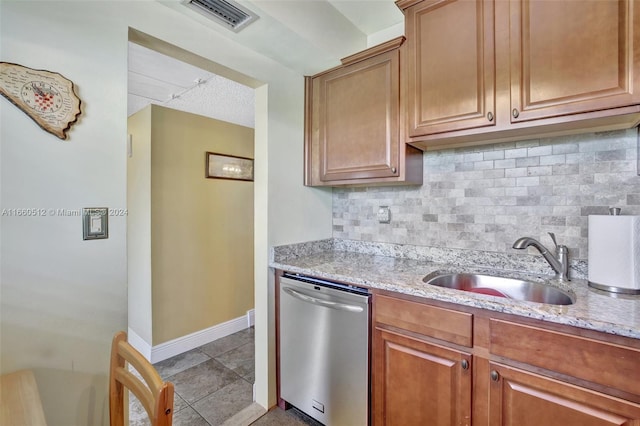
<point x="389" y="268"/>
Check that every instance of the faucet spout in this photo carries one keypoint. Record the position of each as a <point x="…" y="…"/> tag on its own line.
<point x="560" y="264"/>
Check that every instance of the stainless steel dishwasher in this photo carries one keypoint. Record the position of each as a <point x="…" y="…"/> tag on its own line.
<point x="324" y="349"/>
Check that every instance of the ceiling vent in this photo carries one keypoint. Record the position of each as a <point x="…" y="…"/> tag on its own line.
<point x="227" y="12"/>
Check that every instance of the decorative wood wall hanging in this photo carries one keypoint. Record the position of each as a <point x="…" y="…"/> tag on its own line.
<point x="47" y="97"/>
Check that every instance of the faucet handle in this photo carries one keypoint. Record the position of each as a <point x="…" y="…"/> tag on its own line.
<point x="553" y="237"/>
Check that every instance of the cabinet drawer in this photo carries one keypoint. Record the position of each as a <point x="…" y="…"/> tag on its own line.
<point x="586" y="359"/>
<point x="452" y="326"/>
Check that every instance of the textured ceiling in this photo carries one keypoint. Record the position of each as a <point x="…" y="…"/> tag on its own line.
<point x="162" y="80"/>
<point x="304" y="35"/>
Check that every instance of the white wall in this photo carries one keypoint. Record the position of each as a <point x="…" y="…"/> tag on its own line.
<point x="140" y="324"/>
<point x="62" y="297"/>
<point x="385" y="35"/>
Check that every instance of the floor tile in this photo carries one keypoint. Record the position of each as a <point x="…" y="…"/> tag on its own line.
<point x="251" y="376"/>
<point x="291" y="417"/>
<point x="213" y="387"/>
<point x="178" y="403"/>
<point x="179" y="363"/>
<point x="223" y="404"/>
<point x="137" y="414"/>
<point x="188" y="417"/>
<point x="201" y="380"/>
<point x="229" y="342"/>
<point x="241" y="360"/>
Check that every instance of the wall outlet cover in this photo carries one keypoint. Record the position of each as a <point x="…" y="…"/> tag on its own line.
<point x="384" y="214"/>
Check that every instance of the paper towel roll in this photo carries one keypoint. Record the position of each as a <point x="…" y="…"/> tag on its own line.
<point x="614" y="252"/>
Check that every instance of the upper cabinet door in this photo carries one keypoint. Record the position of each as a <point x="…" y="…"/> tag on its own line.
<point x="450" y="72"/>
<point x="359" y="119"/>
<point x="570" y="57"/>
<point x="352" y="123"/>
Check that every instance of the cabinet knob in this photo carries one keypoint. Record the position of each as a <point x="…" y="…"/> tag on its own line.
<point x="515" y="113"/>
<point x="393" y="170"/>
<point x="490" y="116"/>
<point x="464" y="364"/>
<point x="495" y="376"/>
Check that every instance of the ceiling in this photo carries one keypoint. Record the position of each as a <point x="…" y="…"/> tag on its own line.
<point x="305" y="35"/>
<point x="162" y="80"/>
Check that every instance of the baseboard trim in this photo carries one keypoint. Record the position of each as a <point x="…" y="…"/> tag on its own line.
<point x="251" y="317"/>
<point x="139" y="343"/>
<point x="186" y="343"/>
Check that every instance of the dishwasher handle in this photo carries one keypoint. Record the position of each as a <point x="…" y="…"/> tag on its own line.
<point x="320" y="302"/>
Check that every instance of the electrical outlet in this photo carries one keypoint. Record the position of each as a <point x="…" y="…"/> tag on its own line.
<point x="384" y="214"/>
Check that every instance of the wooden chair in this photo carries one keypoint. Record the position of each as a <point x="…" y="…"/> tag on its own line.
<point x="155" y="395"/>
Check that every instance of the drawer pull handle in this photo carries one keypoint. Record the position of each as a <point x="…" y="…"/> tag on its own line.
<point x="495" y="376"/>
<point x="464" y="364"/>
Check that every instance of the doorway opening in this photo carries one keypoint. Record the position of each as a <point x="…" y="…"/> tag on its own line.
<point x="190" y="238"/>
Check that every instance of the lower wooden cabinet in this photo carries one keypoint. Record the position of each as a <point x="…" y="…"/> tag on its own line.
<point x="519" y="398"/>
<point x="509" y="372"/>
<point x="419" y="383"/>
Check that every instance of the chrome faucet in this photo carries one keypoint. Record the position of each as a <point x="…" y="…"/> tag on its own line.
<point x="559" y="262"/>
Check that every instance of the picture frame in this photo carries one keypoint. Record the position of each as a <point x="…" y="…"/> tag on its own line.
<point x="223" y="166"/>
<point x="95" y="223"/>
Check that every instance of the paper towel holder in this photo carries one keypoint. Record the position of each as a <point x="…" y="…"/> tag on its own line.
<point x="599" y="275"/>
<point x="610" y="289"/>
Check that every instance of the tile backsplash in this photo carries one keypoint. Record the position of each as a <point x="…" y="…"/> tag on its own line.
<point x="484" y="198"/>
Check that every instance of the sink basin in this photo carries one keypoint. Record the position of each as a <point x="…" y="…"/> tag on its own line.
<point x="501" y="287"/>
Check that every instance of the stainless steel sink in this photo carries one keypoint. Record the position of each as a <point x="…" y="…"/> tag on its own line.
<point x="501" y="287"/>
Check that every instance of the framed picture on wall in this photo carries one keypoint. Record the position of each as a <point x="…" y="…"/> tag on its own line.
<point x="221" y="166"/>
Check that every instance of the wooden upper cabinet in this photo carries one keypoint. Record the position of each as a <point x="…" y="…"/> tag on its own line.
<point x="450" y="73"/>
<point x="570" y="57"/>
<point x="353" y="122"/>
<point x="487" y="71"/>
<point x="358" y="117"/>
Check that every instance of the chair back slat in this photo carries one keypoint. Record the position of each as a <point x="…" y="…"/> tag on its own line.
<point x="155" y="395"/>
<point x="140" y="363"/>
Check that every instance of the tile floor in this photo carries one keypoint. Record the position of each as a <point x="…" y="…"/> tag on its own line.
<point x="213" y="383"/>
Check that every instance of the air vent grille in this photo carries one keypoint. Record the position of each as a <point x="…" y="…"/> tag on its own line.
<point x="227" y="12"/>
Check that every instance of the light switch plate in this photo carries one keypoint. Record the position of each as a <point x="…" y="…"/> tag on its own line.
<point x="384" y="214"/>
<point x="95" y="223"/>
